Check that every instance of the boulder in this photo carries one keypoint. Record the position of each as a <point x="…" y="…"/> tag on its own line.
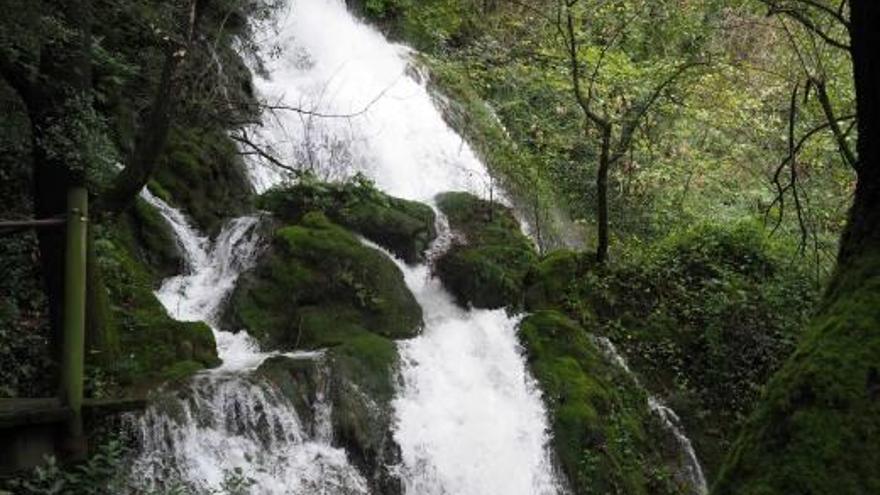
<point x="406" y="228"/>
<point x="317" y="285"/>
<point x="489" y="258"/>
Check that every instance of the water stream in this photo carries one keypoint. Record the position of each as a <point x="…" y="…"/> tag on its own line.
<point x="468" y="417"/>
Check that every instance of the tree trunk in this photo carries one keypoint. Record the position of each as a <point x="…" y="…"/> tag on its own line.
<point x="602" y="196"/>
<point x="863" y="230"/>
<point x="816" y="429"/>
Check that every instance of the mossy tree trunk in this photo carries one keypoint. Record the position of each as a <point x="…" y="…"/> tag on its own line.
<point x="817" y="427"/>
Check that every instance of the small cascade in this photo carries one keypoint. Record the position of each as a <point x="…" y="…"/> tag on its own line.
<point x="225" y="422"/>
<point x="692" y="470"/>
<point x="470" y="419"/>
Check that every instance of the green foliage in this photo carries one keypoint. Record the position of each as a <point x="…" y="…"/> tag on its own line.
<point x="25" y="364"/>
<point x="816" y="428"/>
<point x="706" y="316"/>
<point x="317" y="286"/>
<point x="101" y="474"/>
<point x="487" y="264"/>
<point x="404" y="227"/>
<point x="604" y="436"/>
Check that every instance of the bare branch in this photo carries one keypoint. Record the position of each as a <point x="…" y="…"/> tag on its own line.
<point x="243" y="138"/>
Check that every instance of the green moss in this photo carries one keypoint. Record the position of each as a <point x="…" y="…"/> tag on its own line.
<point x="318" y="285"/>
<point x="362" y="371"/>
<point x="604" y="437"/>
<point x="817" y="428"/>
<point x="153" y="347"/>
<point x="406" y="228"/>
<point x="705" y="317"/>
<point x="152" y="241"/>
<point x="551" y="279"/>
<point x="487" y="265"/>
<point x="202" y="173"/>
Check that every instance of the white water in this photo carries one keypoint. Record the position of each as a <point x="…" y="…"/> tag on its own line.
<point x="335" y="65"/>
<point x="692" y="471"/>
<point x="225" y="420"/>
<point x="469" y="419"/>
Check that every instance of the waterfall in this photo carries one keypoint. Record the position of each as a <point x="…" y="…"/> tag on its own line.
<point x="225" y="421"/>
<point x="692" y="471"/>
<point x="469" y="418"/>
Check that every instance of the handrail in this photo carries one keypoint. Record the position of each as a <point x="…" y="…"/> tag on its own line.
<point x="42" y="223"/>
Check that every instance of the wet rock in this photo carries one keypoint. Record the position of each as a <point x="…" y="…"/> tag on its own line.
<point x="487" y="263"/>
<point x="318" y="286"/>
<point x="406" y="228"/>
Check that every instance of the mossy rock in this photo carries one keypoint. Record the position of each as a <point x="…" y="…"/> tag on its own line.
<point x="362" y="389"/>
<point x="550" y="279"/>
<point x="150" y="345"/>
<point x="202" y="172"/>
<point x="317" y="285"/>
<point x="299" y="380"/>
<point x="816" y="429"/>
<point x="488" y="261"/>
<point x="406" y="228"/>
<point x="604" y="437"/>
<point x="357" y="378"/>
<point x="152" y="241"/>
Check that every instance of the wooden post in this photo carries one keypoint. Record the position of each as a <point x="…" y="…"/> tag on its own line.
<point x="73" y="341"/>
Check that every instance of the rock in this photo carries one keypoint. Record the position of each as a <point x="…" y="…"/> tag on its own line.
<point x="202" y="173"/>
<point x="300" y="380"/>
<point x="147" y="345"/>
<point x="487" y="263"/>
<point x="605" y="439"/>
<point x="406" y="228"/>
<point x="550" y="280"/>
<point x="356" y="378"/>
<point x="362" y="388"/>
<point x="317" y="285"/>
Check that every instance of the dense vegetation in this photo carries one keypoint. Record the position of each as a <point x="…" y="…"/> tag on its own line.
<point x="686" y="169"/>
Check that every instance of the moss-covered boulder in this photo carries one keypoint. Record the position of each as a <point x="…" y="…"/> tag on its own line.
<point x="489" y="258"/>
<point x="147" y="345"/>
<point x="299" y="380"/>
<point x="202" y="172"/>
<point x="149" y="237"/>
<point x="406" y="228"/>
<point x="362" y="372"/>
<point x="551" y="279"/>
<point x="604" y="436"/>
<point x="317" y="285"/>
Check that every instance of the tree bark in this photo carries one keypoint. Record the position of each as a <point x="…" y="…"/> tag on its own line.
<point x="863" y="230"/>
<point x="602" y="196"/>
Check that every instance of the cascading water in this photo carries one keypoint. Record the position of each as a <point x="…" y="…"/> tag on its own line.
<point x="692" y="471"/>
<point x="469" y="418"/>
<point x="226" y="422"/>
